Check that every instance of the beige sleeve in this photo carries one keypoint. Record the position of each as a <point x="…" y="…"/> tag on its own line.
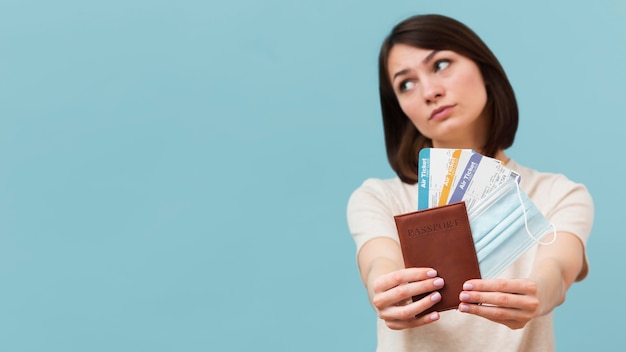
<point x="370" y="213"/>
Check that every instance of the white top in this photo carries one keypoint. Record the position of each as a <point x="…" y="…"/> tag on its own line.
<point x="565" y="204"/>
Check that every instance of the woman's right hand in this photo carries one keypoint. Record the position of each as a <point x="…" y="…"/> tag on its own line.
<point x="393" y="292"/>
<point x="391" y="287"/>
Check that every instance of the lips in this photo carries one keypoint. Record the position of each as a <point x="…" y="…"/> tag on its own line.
<point x="441" y="112"/>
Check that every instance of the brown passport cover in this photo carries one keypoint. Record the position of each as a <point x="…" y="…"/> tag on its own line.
<point x="440" y="238"/>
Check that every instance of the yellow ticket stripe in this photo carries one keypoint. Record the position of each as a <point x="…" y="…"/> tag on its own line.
<point x="447" y="185"/>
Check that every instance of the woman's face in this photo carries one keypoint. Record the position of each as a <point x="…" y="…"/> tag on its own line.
<point x="443" y="94"/>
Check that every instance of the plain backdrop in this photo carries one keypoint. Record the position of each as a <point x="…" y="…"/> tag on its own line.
<point x="174" y="174"/>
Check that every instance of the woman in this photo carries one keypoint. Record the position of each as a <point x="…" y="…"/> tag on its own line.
<point x="440" y="86"/>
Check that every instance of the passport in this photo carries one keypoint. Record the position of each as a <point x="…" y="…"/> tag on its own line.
<point x="440" y="238"/>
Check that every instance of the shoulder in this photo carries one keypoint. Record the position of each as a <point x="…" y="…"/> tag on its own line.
<point x="391" y="193"/>
<point x="567" y="204"/>
<point x="547" y="184"/>
<point x="380" y="187"/>
<point x="373" y="205"/>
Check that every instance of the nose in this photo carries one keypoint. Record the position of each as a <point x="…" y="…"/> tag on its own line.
<point x="432" y="90"/>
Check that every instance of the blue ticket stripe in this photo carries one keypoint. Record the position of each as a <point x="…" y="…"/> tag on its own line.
<point x="467" y="175"/>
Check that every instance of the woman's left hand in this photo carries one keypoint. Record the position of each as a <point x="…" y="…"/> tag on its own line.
<point x="514" y="302"/>
<point x="511" y="302"/>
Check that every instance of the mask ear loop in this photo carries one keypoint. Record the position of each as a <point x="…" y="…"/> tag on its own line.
<point x="519" y="196"/>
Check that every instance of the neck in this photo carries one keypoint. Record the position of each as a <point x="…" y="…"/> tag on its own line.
<point x="502" y="157"/>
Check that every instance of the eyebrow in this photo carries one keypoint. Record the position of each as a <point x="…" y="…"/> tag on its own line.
<point x="429" y="56"/>
<point x="425" y="61"/>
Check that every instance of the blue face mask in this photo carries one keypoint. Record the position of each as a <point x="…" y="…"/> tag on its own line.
<point x="505" y="224"/>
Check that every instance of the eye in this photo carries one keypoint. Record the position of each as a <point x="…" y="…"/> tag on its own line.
<point x="442" y="64"/>
<point x="406" y="85"/>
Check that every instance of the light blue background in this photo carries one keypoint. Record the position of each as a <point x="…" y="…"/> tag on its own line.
<point x="174" y="174"/>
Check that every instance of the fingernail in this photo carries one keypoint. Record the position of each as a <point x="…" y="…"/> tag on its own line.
<point x="463" y="308"/>
<point x="432" y="273"/>
<point x="464" y="297"/>
<point x="438" y="282"/>
<point x="468" y="286"/>
<point x="436" y="297"/>
<point x="434" y="316"/>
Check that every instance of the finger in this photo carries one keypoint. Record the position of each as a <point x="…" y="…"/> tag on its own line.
<point x="513" y="318"/>
<point x="415" y="322"/>
<point x="403" y="293"/>
<point x="403" y="276"/>
<point x="408" y="313"/>
<point x="518" y="286"/>
<point x="498" y="299"/>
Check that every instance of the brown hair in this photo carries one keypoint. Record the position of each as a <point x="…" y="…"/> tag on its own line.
<point x="402" y="140"/>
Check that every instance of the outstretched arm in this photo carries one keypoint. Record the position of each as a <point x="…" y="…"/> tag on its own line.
<point x="515" y="302"/>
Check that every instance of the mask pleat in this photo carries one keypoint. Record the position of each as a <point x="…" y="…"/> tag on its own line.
<point x="499" y="229"/>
